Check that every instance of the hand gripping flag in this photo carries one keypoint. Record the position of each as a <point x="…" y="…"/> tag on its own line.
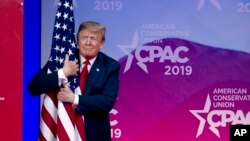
<point x="58" y="120"/>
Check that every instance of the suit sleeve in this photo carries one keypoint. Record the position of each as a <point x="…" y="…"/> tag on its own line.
<point x="43" y="82"/>
<point x="102" y="102"/>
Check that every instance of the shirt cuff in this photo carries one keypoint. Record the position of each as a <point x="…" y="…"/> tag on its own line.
<point x="61" y="77"/>
<point x="76" y="100"/>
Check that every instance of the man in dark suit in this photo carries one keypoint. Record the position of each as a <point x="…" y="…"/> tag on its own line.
<point x="100" y="92"/>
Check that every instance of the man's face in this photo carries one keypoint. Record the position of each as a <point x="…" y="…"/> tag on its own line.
<point x="89" y="43"/>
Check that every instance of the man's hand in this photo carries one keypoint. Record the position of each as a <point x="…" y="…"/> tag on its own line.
<point x="70" y="68"/>
<point x="65" y="94"/>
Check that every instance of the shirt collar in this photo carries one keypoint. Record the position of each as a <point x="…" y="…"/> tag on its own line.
<point x="91" y="61"/>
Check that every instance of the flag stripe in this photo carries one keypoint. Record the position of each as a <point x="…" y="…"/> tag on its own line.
<point x="46" y="133"/>
<point x="50" y="107"/>
<point x="41" y="137"/>
<point x="62" y="134"/>
<point x="78" y="137"/>
<point x="66" y="121"/>
<point x="53" y="97"/>
<point x="80" y="128"/>
<point x="70" y="113"/>
<point x="48" y="121"/>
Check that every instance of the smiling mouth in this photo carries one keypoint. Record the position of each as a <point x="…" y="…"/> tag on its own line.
<point x="89" y="48"/>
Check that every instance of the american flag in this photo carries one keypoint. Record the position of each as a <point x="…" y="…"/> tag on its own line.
<point x="58" y="120"/>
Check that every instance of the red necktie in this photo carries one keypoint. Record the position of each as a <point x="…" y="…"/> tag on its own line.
<point x="83" y="75"/>
<point x="82" y="82"/>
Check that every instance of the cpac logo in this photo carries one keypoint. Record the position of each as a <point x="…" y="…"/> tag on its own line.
<point x="113" y="122"/>
<point x="153" y="52"/>
<point x="225" y="117"/>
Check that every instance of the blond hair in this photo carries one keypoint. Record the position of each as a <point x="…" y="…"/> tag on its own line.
<point x="94" y="27"/>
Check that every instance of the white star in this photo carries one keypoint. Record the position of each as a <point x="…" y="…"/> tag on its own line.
<point x="61" y="60"/>
<point x="71" y="19"/>
<point x="62" y="49"/>
<point x="58" y="14"/>
<point x="66" y="4"/>
<point x="50" y="59"/>
<point x="58" y="25"/>
<point x="56" y="59"/>
<point x="202" y="120"/>
<point x="57" y="2"/>
<point x="133" y="45"/>
<point x="57" y="48"/>
<point x="73" y="45"/>
<point x="57" y="36"/>
<point x="65" y="16"/>
<point x="213" y="2"/>
<point x="64" y="26"/>
<point x="49" y="71"/>
<point x="64" y="39"/>
<point x="70" y="52"/>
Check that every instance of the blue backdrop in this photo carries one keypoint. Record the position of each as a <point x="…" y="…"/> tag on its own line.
<point x="32" y="55"/>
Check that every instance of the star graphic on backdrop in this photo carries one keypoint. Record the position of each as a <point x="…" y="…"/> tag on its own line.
<point x="125" y="48"/>
<point x="197" y="113"/>
<point x="215" y="3"/>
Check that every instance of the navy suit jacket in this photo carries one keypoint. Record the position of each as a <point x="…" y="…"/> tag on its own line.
<point x="98" y="97"/>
